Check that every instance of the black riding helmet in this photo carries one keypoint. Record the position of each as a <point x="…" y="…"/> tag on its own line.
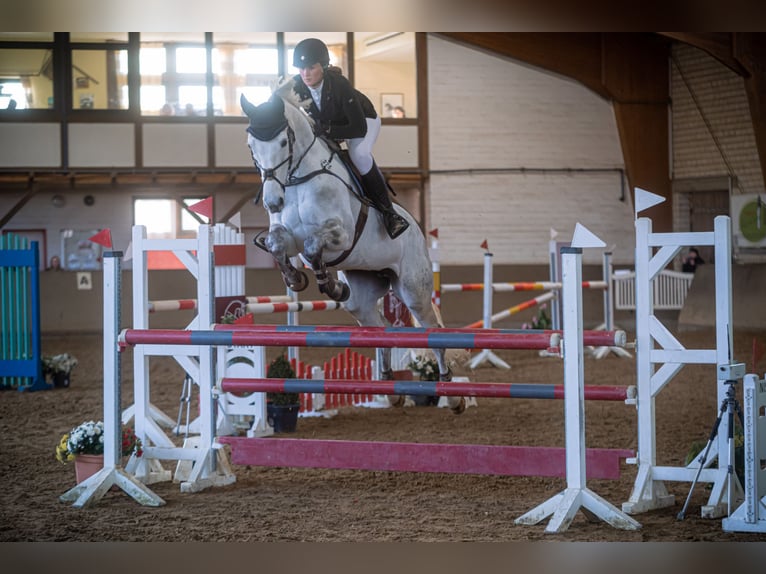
<point x="309" y="52"/>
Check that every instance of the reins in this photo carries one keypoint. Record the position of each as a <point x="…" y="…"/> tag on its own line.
<point x="292" y="180"/>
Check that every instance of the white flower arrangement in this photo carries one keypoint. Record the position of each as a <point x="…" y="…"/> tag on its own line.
<point x="88" y="438"/>
<point x="63" y="363"/>
<point x="426" y="368"/>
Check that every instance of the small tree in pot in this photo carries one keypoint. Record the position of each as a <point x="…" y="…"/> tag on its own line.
<point x="282" y="408"/>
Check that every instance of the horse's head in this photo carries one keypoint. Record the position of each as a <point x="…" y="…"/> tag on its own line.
<point x="276" y="136"/>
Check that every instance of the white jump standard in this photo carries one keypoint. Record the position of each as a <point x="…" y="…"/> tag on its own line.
<point x="564" y="506"/>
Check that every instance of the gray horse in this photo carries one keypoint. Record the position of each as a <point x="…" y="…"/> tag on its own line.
<point x="316" y="213"/>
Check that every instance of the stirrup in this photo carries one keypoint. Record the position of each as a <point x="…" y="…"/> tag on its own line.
<point x="395" y="224"/>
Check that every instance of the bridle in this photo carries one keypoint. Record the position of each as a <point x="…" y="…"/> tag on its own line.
<point x="269" y="174"/>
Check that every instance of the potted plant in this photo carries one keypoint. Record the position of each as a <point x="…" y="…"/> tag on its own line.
<point x="84" y="445"/>
<point x="58" y="368"/>
<point x="427" y="369"/>
<point x="282" y="408"/>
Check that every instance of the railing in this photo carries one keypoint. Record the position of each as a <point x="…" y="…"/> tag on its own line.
<point x="670" y="289"/>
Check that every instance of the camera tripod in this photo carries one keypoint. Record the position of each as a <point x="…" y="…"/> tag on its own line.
<point x="729" y="406"/>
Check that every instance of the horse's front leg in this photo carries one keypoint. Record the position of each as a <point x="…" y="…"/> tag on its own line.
<point x="281" y="243"/>
<point x="313" y="248"/>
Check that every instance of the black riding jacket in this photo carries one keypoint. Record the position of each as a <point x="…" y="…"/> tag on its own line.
<point x="344" y="108"/>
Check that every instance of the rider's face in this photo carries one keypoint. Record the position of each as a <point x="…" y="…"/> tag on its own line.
<point x="312" y="76"/>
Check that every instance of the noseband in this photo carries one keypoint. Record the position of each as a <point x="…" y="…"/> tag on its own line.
<point x="269" y="174"/>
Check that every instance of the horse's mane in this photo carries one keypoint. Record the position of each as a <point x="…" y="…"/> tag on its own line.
<point x="285" y="90"/>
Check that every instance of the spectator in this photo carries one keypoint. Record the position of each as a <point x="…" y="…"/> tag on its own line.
<point x="55" y="264"/>
<point x="398" y="112"/>
<point x="691" y="260"/>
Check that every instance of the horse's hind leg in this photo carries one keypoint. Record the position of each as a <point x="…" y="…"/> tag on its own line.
<point x="366" y="288"/>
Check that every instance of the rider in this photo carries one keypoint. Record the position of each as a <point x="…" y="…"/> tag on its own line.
<point x="344" y="113"/>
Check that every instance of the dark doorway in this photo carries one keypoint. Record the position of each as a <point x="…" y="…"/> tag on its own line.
<point x="704" y="207"/>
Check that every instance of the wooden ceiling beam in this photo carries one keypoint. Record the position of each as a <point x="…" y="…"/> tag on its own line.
<point x="576" y="55"/>
<point x="720" y="45"/>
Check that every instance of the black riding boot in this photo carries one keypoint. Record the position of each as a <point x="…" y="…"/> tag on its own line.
<point x="376" y="189"/>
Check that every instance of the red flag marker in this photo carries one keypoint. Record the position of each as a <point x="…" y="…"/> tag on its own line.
<point x="103" y="237"/>
<point x="484" y="244"/>
<point x="434" y="232"/>
<point x="204" y="207"/>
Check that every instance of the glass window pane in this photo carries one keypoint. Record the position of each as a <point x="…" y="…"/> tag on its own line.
<point x="256" y="61"/>
<point x="155" y="214"/>
<point x="191" y="61"/>
<point x="153" y="99"/>
<point x="152" y="61"/>
<point x="13" y="96"/>
<point x="193" y="100"/>
<point x="96" y="80"/>
<point x="385" y="70"/>
<point x="244" y="63"/>
<point x="33" y="71"/>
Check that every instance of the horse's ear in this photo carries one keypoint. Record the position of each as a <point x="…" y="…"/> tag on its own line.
<point x="247" y="107"/>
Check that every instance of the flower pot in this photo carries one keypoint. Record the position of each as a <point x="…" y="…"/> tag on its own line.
<point x="86" y="465"/>
<point x="283" y="418"/>
<point x="60" y="380"/>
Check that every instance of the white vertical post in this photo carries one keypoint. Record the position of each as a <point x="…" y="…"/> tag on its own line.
<point x="564" y="506"/>
<point x="608" y="292"/>
<point x="751" y="514"/>
<point x="574" y="372"/>
<point x="112" y="394"/>
<point x="93" y="489"/>
<point x="486" y="354"/>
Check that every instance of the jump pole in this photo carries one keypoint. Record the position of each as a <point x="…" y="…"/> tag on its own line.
<point x="563" y="506"/>
<point x="112" y="474"/>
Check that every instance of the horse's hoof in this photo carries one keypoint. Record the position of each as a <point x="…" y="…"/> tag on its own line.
<point x="301" y="285"/>
<point x="460" y="407"/>
<point x="446" y="377"/>
<point x="345" y="293"/>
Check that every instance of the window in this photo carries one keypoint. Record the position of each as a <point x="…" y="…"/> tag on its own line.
<point x="166" y="219"/>
<point x="173" y="68"/>
<point x="243" y="64"/>
<point x="26" y="79"/>
<point x="385" y="70"/>
<point x="99" y="79"/>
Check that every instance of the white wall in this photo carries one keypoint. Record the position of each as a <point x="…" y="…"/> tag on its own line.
<point x="492" y="113"/>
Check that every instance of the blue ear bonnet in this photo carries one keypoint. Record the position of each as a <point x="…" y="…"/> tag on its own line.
<point x="267" y="119"/>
